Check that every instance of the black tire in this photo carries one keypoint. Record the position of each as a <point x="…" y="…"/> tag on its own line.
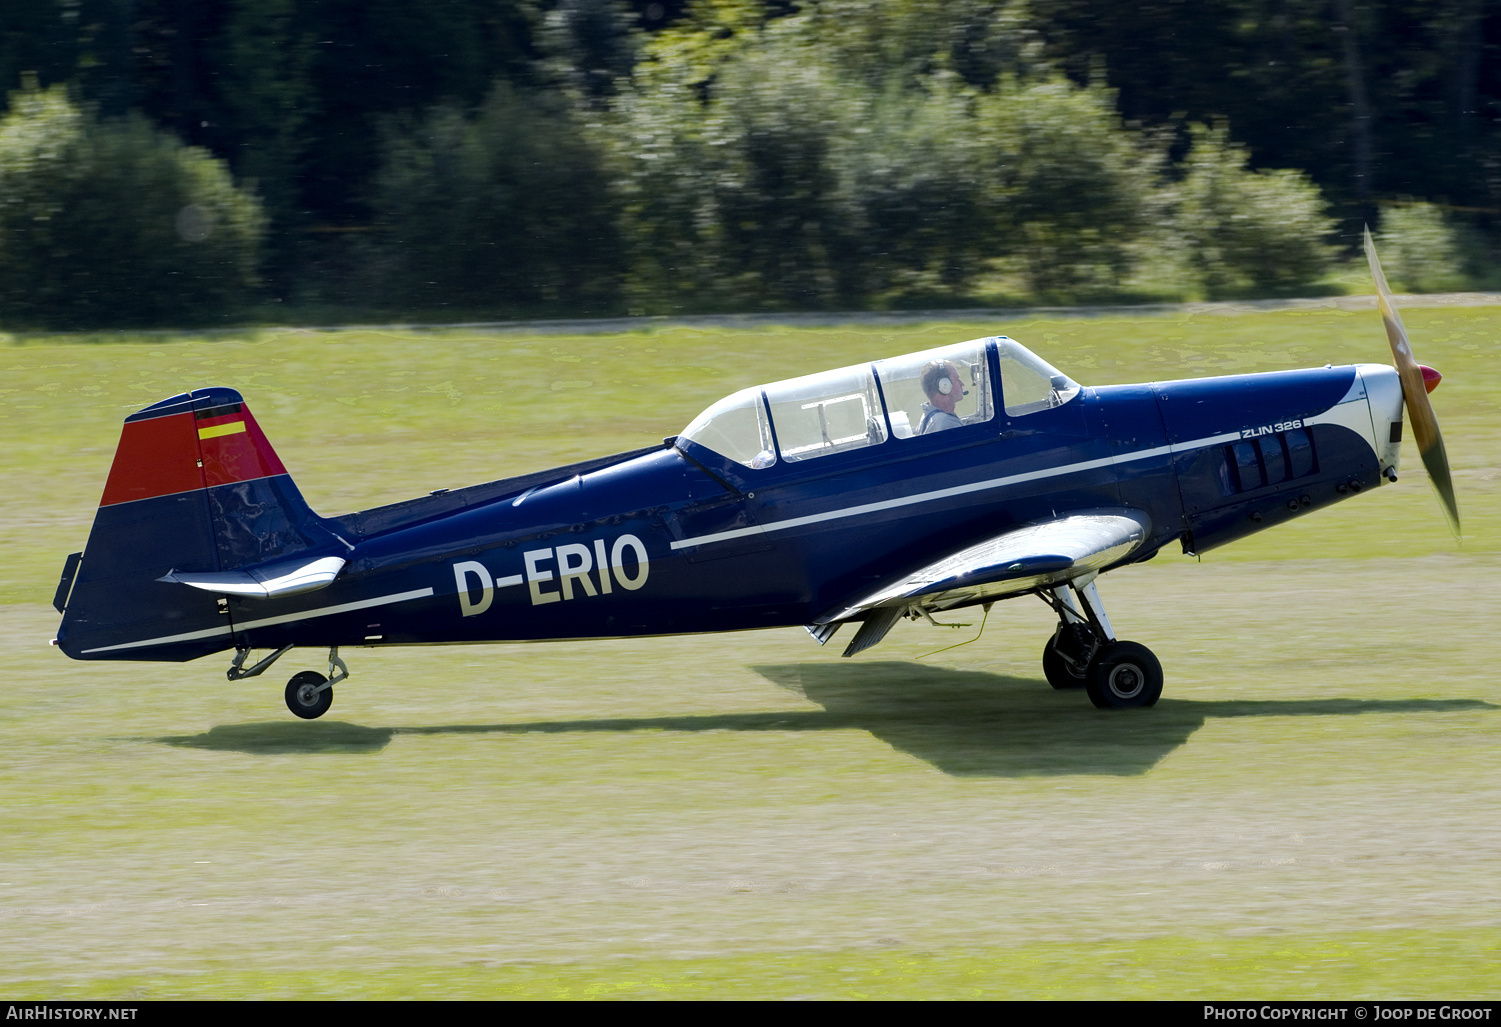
<point x="304" y="700"/>
<point x="1059" y="672"/>
<point x="1123" y="676"/>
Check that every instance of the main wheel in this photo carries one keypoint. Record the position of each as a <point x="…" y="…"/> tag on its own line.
<point x="1123" y="675"/>
<point x="1059" y="672"/>
<point x="303" y="697"/>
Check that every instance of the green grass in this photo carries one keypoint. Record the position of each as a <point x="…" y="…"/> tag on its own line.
<point x="1311" y="811"/>
<point x="1368" y="966"/>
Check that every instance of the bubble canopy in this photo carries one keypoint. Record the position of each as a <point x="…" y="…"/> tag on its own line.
<point x="737" y="427"/>
<point x="900" y="398"/>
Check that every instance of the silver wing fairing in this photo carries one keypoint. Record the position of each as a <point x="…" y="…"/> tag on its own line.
<point x="1032" y="556"/>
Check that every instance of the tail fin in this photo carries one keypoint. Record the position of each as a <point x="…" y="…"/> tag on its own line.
<point x="195" y="488"/>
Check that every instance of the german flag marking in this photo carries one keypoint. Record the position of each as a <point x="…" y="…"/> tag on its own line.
<point x="215" y="431"/>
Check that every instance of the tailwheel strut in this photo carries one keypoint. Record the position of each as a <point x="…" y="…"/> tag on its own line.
<point x="236" y="671"/>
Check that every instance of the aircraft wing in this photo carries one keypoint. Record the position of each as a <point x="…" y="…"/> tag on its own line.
<point x="1035" y="555"/>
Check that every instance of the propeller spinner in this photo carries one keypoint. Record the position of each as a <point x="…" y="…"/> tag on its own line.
<point x="1416" y="385"/>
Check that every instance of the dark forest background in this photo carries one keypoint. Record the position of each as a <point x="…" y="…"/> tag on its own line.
<point x="197" y="161"/>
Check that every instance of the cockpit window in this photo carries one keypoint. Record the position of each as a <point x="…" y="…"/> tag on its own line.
<point x="737" y="428"/>
<point x="825" y="413"/>
<point x="938" y="389"/>
<point x="838" y="411"/>
<point x="1029" y="383"/>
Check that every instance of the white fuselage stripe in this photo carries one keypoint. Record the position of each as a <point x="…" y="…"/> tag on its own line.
<point x="957" y="490"/>
<point x="188" y="636"/>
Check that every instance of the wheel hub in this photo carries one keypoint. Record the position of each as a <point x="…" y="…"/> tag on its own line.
<point x="1126" y="680"/>
<point x="307" y="695"/>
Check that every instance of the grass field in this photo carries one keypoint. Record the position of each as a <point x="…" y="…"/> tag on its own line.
<point x="1313" y="810"/>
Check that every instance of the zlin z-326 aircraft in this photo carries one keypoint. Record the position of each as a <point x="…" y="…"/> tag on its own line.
<point x="907" y="487"/>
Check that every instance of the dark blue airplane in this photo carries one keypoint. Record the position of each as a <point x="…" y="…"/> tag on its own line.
<point x="907" y="487"/>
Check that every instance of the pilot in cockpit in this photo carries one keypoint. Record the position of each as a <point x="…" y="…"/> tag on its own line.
<point x="940" y="381"/>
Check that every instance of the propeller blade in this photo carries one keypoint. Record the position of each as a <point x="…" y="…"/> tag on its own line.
<point x="1425" y="431"/>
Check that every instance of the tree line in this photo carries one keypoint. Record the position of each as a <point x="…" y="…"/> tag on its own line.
<point x="164" y="161"/>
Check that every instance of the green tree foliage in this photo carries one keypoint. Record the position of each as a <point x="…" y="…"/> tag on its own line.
<point x="1421" y="249"/>
<point x="1371" y="97"/>
<point x="793" y="186"/>
<point x="588" y="46"/>
<point x="40" y="38"/>
<point x="1076" y="189"/>
<point x="979" y="40"/>
<point x="505" y="209"/>
<point x="291" y="92"/>
<point x="771" y="169"/>
<point x="374" y="58"/>
<point x="1250" y="232"/>
<point x="266" y="56"/>
<point x="116" y="222"/>
<point x="919" y="188"/>
<point x="772" y="133"/>
<point x="734" y="154"/>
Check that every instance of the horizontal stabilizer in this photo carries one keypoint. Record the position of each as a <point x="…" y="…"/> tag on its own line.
<point x="287" y="578"/>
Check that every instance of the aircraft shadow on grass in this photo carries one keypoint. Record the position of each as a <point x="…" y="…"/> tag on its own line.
<point x="964" y="723"/>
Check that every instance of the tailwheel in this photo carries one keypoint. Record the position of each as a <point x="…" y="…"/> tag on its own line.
<point x="309" y="695"/>
<point x="1065" y="659"/>
<point x="1123" y="675"/>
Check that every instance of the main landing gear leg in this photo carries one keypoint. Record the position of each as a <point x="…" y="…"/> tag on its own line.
<point x="1121" y="674"/>
<point x="310" y="694"/>
<point x="1065" y="659"/>
<point x="1084" y="652"/>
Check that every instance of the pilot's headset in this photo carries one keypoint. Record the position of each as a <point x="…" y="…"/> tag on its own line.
<point x="941" y="378"/>
<point x="946" y="385"/>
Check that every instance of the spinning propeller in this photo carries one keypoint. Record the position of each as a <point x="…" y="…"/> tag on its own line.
<point x="1417" y="382"/>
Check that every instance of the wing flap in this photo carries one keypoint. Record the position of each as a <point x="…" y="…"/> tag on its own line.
<point x="273" y="581"/>
<point x="877" y="623"/>
<point x="1031" y="556"/>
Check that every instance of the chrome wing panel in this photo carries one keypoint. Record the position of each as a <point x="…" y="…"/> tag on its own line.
<point x="1032" y="556"/>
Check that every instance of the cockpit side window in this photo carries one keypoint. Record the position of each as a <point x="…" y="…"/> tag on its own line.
<point x="937" y="389"/>
<point x="837" y="411"/>
<point x="826" y="413"/>
<point x="736" y="428"/>
<point x="1029" y="383"/>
